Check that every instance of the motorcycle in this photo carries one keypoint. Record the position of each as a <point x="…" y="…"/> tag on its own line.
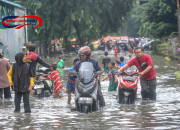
<point x="86" y="88"/>
<point x="127" y="88"/>
<point x="43" y="88"/>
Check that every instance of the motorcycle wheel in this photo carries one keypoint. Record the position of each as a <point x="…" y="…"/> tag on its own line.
<point x="39" y="95"/>
<point x="125" y="100"/>
<point x="85" y="109"/>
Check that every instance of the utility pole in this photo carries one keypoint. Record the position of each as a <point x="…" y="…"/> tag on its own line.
<point x="178" y="17"/>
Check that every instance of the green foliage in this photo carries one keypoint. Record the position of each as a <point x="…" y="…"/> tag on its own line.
<point x="163" y="48"/>
<point x="158" y="18"/>
<point x="133" y="25"/>
<point x="177" y="74"/>
<point x="83" y="19"/>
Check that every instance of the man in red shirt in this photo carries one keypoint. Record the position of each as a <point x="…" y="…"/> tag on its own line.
<point x="147" y="74"/>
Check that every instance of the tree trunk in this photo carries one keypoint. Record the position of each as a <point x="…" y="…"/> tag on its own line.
<point x="67" y="47"/>
<point x="49" y="48"/>
<point x="78" y="33"/>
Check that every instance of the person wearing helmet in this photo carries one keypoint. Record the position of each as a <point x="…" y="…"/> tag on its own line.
<point x="33" y="59"/>
<point x="84" y="54"/>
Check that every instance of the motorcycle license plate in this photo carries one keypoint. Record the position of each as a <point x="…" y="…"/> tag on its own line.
<point x="126" y="94"/>
<point x="39" y="86"/>
<point x="86" y="100"/>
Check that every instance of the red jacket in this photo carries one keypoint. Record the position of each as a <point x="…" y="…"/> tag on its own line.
<point x="54" y="76"/>
<point x="33" y="59"/>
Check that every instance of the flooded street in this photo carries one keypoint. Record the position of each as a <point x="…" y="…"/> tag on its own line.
<point x="51" y="114"/>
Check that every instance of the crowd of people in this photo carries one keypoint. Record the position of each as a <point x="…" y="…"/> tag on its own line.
<point x="20" y="76"/>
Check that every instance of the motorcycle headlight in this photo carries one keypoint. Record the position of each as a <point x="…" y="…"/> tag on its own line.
<point x="126" y="94"/>
<point x="122" y="81"/>
<point x="134" y="83"/>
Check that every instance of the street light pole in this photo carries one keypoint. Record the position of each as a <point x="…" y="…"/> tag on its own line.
<point x="178" y="17"/>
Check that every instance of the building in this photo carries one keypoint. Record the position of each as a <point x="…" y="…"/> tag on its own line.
<point x="11" y="39"/>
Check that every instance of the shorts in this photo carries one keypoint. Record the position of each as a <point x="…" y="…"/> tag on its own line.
<point x="58" y="95"/>
<point x="106" y="69"/>
<point x="68" y="91"/>
<point x="113" y="86"/>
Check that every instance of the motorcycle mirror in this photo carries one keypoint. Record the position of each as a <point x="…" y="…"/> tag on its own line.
<point x="73" y="72"/>
<point x="98" y="72"/>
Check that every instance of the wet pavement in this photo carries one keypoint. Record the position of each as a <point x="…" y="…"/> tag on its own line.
<point x="50" y="114"/>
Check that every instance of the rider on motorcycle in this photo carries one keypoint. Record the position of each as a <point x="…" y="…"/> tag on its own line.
<point x="84" y="54"/>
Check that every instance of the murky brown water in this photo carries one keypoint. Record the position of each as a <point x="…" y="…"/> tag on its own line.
<point x="49" y="113"/>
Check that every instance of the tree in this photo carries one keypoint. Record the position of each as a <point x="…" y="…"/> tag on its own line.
<point x="158" y="18"/>
<point x="133" y="25"/>
<point x="86" y="19"/>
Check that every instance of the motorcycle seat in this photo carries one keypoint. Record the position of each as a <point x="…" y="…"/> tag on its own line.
<point x="38" y="81"/>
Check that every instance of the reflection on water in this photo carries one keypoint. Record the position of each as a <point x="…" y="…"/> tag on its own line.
<point x="49" y="113"/>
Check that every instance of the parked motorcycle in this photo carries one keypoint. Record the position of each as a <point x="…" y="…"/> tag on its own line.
<point x="86" y="88"/>
<point x="43" y="88"/>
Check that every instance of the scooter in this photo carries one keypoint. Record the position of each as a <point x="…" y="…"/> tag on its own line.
<point x="43" y="88"/>
<point x="86" y="88"/>
<point x="127" y="88"/>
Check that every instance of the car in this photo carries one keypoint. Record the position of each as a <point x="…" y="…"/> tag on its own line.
<point x="147" y="46"/>
<point x="122" y="42"/>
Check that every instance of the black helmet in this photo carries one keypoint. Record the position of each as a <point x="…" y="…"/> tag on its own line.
<point x="31" y="48"/>
<point x="85" y="51"/>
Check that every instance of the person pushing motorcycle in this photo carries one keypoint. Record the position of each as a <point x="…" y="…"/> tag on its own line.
<point x="33" y="59"/>
<point x="84" y="54"/>
<point x="147" y="73"/>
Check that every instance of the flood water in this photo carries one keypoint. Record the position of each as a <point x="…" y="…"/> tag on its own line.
<point x="52" y="114"/>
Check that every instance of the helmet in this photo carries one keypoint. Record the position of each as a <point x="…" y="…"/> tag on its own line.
<point x="32" y="48"/>
<point x="85" y="51"/>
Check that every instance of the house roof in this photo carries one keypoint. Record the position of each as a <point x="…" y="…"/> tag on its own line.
<point x="13" y="4"/>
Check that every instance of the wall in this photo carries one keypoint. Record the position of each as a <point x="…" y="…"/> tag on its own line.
<point x="174" y="45"/>
<point x="13" y="39"/>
